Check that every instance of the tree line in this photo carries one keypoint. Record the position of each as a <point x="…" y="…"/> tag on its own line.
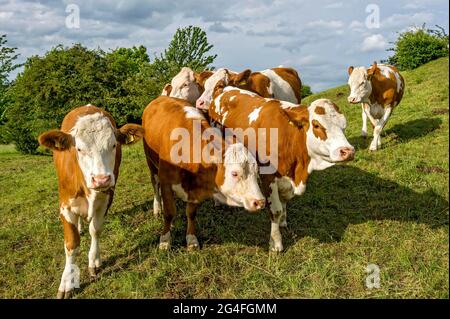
<point x="124" y="80"/>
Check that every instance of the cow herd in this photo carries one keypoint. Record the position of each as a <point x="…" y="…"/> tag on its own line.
<point x="242" y="139"/>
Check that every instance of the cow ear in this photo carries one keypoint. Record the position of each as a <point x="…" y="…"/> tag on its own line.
<point x="350" y="69"/>
<point x="372" y="69"/>
<point x="201" y="78"/>
<point x="240" y="78"/>
<point x="56" y="140"/>
<point x="130" y="134"/>
<point x="298" y="116"/>
<point x="167" y="89"/>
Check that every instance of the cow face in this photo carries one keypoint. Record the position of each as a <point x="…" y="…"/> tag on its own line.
<point x="325" y="138"/>
<point x="237" y="179"/>
<point x="95" y="141"/>
<point x="226" y="78"/>
<point x="360" y="84"/>
<point x="183" y="86"/>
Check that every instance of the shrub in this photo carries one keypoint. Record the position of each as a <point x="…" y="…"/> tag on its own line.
<point x="419" y="46"/>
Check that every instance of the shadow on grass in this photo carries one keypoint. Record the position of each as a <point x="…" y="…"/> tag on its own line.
<point x="400" y="132"/>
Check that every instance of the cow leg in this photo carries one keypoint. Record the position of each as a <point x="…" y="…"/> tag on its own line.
<point x="372" y="120"/>
<point x="283" y="222"/>
<point x="95" y="228"/>
<point x="276" y="211"/>
<point x="169" y="214"/>
<point x="376" y="142"/>
<point x="156" y="195"/>
<point x="364" y="122"/>
<point x="191" y="239"/>
<point x="70" y="278"/>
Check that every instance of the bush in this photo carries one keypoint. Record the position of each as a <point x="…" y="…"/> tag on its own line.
<point x="419" y="46"/>
<point x="24" y="140"/>
<point x="306" y="91"/>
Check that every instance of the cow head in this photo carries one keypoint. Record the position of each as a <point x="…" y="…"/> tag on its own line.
<point x="95" y="141"/>
<point x="325" y="138"/>
<point x="237" y="179"/>
<point x="186" y="85"/>
<point x="360" y="83"/>
<point x="226" y="78"/>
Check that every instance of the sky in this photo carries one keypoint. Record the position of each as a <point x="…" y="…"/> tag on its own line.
<point x="319" y="38"/>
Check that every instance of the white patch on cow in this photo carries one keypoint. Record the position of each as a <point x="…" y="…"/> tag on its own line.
<point x="280" y="88"/>
<point x="241" y="91"/>
<point x="224" y="118"/>
<point x="179" y="192"/>
<point x="217" y="106"/>
<point x="95" y="142"/>
<point x="89" y="104"/>
<point x="276" y="209"/>
<point x="288" y="105"/>
<point x="386" y="70"/>
<point x="254" y="115"/>
<point x="298" y="189"/>
<point x="68" y="215"/>
<point x="193" y="113"/>
<point x="184" y="86"/>
<point x="71" y="273"/>
<point x="399" y="81"/>
<point x="232" y="98"/>
<point x="79" y="206"/>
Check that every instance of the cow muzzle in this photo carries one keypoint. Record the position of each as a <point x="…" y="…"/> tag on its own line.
<point x="254" y="205"/>
<point x="101" y="181"/>
<point x="200" y="104"/>
<point x="346" y="154"/>
<point x="353" y="100"/>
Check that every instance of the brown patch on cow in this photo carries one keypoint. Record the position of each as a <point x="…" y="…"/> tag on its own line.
<point x="201" y="78"/>
<point x="350" y="70"/>
<point x="319" y="110"/>
<point x="166" y="90"/>
<point x="429" y="169"/>
<point x="384" y="90"/>
<point x="257" y="83"/>
<point x="336" y="108"/>
<point x="440" y="111"/>
<point x="291" y="76"/>
<point x="319" y="131"/>
<point x="71" y="234"/>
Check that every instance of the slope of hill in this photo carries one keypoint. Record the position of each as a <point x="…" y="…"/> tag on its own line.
<point x="388" y="208"/>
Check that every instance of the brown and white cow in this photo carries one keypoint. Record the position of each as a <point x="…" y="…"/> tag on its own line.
<point x="308" y="138"/>
<point x="379" y="89"/>
<point x="279" y="83"/>
<point x="230" y="175"/>
<point x="187" y="85"/>
<point x="86" y="154"/>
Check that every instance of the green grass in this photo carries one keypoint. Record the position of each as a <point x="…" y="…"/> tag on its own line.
<point x="389" y="208"/>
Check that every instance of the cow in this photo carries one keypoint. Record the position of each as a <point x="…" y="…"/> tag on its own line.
<point x="280" y="83"/>
<point x="379" y="89"/>
<point x="187" y="85"/>
<point x="308" y="139"/>
<point x="86" y="155"/>
<point x="230" y="175"/>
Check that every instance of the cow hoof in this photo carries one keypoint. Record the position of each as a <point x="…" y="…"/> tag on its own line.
<point x="283" y="223"/>
<point x="372" y="149"/>
<point x="276" y="247"/>
<point x="164" y="246"/>
<point x="363" y="134"/>
<point x="93" y="271"/>
<point x="64" y="294"/>
<point x="192" y="243"/>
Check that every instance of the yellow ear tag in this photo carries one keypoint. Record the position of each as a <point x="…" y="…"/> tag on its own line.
<point x="130" y="139"/>
<point x="243" y="82"/>
<point x="58" y="144"/>
<point x="291" y="123"/>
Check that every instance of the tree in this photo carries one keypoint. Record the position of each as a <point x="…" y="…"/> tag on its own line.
<point x="189" y="47"/>
<point x="306" y="91"/>
<point x="418" y="46"/>
<point x="8" y="56"/>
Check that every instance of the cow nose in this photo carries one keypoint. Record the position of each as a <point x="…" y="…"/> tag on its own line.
<point x="101" y="180"/>
<point x="258" y="204"/>
<point x="351" y="99"/>
<point x="347" y="153"/>
<point x="200" y="104"/>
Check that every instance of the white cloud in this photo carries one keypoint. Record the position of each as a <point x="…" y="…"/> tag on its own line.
<point x="331" y="24"/>
<point x="335" y="5"/>
<point x="374" y="42"/>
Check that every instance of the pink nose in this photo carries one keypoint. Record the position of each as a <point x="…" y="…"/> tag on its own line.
<point x="200" y="104"/>
<point x="101" y="180"/>
<point x="347" y="153"/>
<point x="258" y="204"/>
<point x="351" y="99"/>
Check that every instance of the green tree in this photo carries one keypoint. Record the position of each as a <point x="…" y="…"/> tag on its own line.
<point x="189" y="47"/>
<point x="419" y="46"/>
<point x="306" y="91"/>
<point x="8" y="56"/>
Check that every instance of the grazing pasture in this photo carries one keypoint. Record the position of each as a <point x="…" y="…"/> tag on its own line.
<point x="388" y="208"/>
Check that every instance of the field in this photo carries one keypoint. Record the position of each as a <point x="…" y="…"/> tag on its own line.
<point x="388" y="208"/>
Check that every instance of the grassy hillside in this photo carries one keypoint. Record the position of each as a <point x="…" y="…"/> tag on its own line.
<point x="389" y="208"/>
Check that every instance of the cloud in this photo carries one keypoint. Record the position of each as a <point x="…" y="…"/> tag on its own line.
<point x="219" y="28"/>
<point x="374" y="42"/>
<point x="332" y="24"/>
<point x="335" y="5"/>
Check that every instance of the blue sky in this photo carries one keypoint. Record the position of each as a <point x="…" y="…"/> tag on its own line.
<point x="319" y="38"/>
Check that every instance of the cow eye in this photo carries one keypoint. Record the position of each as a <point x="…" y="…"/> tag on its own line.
<point x="114" y="146"/>
<point x="234" y="174"/>
<point x="316" y="126"/>
<point x="79" y="149"/>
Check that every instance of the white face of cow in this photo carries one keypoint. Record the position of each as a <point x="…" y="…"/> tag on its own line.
<point x="239" y="185"/>
<point x="184" y="86"/>
<point x="95" y="144"/>
<point x="326" y="141"/>
<point x="205" y="99"/>
<point x="360" y="85"/>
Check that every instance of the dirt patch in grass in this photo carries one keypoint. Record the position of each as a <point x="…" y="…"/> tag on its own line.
<point x="429" y="169"/>
<point x="440" y="111"/>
